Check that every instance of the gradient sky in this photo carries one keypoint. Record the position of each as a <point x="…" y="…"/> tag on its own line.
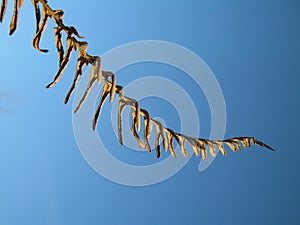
<point x="253" y="49"/>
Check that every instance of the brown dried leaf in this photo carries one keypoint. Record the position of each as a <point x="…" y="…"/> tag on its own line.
<point x="138" y="116"/>
<point x="104" y="95"/>
<point x="37" y="10"/>
<point x="237" y="144"/>
<point x="171" y="136"/>
<point x="201" y="145"/>
<point x="37" y="37"/>
<point x="196" y="150"/>
<point x="72" y="30"/>
<point x="244" y="141"/>
<point x="59" y="44"/>
<point x="14" y="19"/>
<point x="231" y="145"/>
<point x="157" y="143"/>
<point x="263" y="144"/>
<point x="58" y="18"/>
<point x="120" y="109"/>
<point x="162" y="132"/>
<point x="194" y="145"/>
<point x="172" y="151"/>
<point x="203" y="154"/>
<point x="87" y="91"/>
<point x="123" y="101"/>
<point x="164" y="136"/>
<point x="98" y="65"/>
<point x="220" y="147"/>
<point x="3" y="10"/>
<point x="234" y="144"/>
<point x="212" y="149"/>
<point x="64" y="63"/>
<point x="113" y="88"/>
<point x="147" y="129"/>
<point x="182" y="145"/>
<point x="80" y="64"/>
<point x="147" y="123"/>
<point x="133" y="130"/>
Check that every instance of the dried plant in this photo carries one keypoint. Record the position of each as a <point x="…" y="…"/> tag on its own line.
<point x="200" y="146"/>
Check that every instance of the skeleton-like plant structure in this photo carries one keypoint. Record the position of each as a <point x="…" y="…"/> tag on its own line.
<point x="200" y="146"/>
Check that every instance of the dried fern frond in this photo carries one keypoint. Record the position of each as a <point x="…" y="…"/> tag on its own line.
<point x="37" y="11"/>
<point x="121" y="106"/>
<point x="134" y="129"/>
<point x="81" y="60"/>
<point x="182" y="145"/>
<point x="106" y="90"/>
<point x="40" y="31"/>
<point x="59" y="44"/>
<point x="201" y="147"/>
<point x="3" y="10"/>
<point x="14" y="19"/>
<point x="67" y="56"/>
<point x="171" y="136"/>
<point x="147" y="129"/>
<point x="80" y="64"/>
<point x="113" y="89"/>
<point x="87" y="91"/>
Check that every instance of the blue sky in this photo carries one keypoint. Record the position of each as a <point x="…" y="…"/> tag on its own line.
<point x="253" y="49"/>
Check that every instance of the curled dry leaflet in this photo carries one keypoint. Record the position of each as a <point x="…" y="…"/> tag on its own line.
<point x="43" y="12"/>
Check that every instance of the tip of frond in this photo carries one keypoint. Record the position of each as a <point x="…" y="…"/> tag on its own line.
<point x="50" y="85"/>
<point x="66" y="100"/>
<point x="11" y="32"/>
<point x="94" y="124"/>
<point x="44" y="50"/>
<point x="76" y="110"/>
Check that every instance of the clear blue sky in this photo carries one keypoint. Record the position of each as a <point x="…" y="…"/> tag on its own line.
<point x="253" y="49"/>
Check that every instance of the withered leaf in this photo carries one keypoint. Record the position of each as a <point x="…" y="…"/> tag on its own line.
<point x="203" y="154"/>
<point x="212" y="149"/>
<point x="231" y="145"/>
<point x="194" y="145"/>
<point x="80" y="63"/>
<point x="147" y="128"/>
<point x="64" y="63"/>
<point x="59" y="44"/>
<point x="87" y="91"/>
<point x="263" y="145"/>
<point x="172" y="151"/>
<point x="122" y="101"/>
<point x="120" y="108"/>
<point x="171" y="136"/>
<point x="133" y="130"/>
<point x="72" y="30"/>
<point x="201" y="144"/>
<point x="157" y="142"/>
<point x="3" y="10"/>
<point x="147" y="123"/>
<point x="104" y="95"/>
<point x="138" y="116"/>
<point x="40" y="31"/>
<point x="220" y="147"/>
<point x="113" y="88"/>
<point x="14" y="19"/>
<point x="182" y="145"/>
<point x="37" y="10"/>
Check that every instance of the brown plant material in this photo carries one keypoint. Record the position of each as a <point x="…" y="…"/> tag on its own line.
<point x="134" y="129"/>
<point x="14" y="19"/>
<point x="200" y="146"/>
<point x="3" y="10"/>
